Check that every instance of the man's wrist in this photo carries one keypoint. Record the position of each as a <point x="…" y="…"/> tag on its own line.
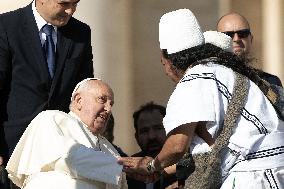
<point x="152" y="166"/>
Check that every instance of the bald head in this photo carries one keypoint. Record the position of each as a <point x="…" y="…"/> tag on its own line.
<point x="236" y="18"/>
<point x="92" y="102"/>
<point x="90" y="84"/>
<point x="234" y="22"/>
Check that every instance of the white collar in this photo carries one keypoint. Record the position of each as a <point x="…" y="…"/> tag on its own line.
<point x="78" y="118"/>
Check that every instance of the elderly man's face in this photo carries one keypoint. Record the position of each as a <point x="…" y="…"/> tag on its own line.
<point x="150" y="133"/>
<point x="95" y="106"/>
<point x="234" y="24"/>
<point x="56" y="12"/>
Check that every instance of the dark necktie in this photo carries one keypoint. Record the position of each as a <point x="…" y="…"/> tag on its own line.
<point x="49" y="48"/>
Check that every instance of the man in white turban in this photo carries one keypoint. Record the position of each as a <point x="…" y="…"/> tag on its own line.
<point x="205" y="76"/>
<point x="66" y="151"/>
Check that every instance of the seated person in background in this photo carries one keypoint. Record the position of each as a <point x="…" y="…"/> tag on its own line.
<point x="108" y="134"/>
<point x="66" y="151"/>
<point x="150" y="135"/>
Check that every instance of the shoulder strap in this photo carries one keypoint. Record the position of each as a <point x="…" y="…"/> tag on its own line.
<point x="236" y="104"/>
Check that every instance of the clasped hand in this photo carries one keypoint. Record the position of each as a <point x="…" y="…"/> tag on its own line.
<point x="136" y="167"/>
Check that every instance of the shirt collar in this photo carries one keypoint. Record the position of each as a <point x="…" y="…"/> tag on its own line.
<point x="78" y="118"/>
<point x="39" y="20"/>
<point x="74" y="115"/>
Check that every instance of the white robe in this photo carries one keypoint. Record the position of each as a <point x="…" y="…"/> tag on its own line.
<point x="202" y="95"/>
<point x="58" y="151"/>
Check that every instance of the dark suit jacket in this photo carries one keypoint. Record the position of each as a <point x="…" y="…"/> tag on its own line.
<point x="272" y="79"/>
<point x="25" y="85"/>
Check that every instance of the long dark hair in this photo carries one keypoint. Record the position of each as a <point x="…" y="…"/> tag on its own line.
<point x="200" y="55"/>
<point x="206" y="53"/>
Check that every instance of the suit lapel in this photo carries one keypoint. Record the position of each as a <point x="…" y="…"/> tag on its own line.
<point x="31" y="36"/>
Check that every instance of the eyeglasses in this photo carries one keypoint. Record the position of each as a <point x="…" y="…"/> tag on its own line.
<point x="241" y="33"/>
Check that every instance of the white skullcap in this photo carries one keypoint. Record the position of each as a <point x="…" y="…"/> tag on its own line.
<point x="80" y="83"/>
<point x="219" y="39"/>
<point x="179" y="30"/>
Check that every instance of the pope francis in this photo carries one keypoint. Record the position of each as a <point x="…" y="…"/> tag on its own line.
<point x="66" y="151"/>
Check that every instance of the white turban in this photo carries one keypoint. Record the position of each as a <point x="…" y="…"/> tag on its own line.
<point x="179" y="30"/>
<point x="219" y="39"/>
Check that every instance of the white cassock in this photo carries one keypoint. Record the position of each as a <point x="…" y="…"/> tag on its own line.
<point x="254" y="157"/>
<point x="58" y="151"/>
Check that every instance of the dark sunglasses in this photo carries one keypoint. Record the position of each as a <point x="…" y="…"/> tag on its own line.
<point x="241" y="33"/>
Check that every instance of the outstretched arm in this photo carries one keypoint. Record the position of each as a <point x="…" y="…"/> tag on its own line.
<point x="174" y="148"/>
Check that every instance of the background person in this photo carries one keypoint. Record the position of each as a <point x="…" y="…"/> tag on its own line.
<point x="150" y="135"/>
<point x="238" y="28"/>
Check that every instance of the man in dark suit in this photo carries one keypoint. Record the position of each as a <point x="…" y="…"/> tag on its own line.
<point x="150" y="135"/>
<point x="238" y="28"/>
<point x="38" y="71"/>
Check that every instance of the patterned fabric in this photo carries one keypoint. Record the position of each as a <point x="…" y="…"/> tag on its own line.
<point x="208" y="174"/>
<point x="203" y="95"/>
<point x="275" y="93"/>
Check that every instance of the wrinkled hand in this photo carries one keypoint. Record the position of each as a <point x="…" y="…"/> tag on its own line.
<point x="135" y="164"/>
<point x="136" y="167"/>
